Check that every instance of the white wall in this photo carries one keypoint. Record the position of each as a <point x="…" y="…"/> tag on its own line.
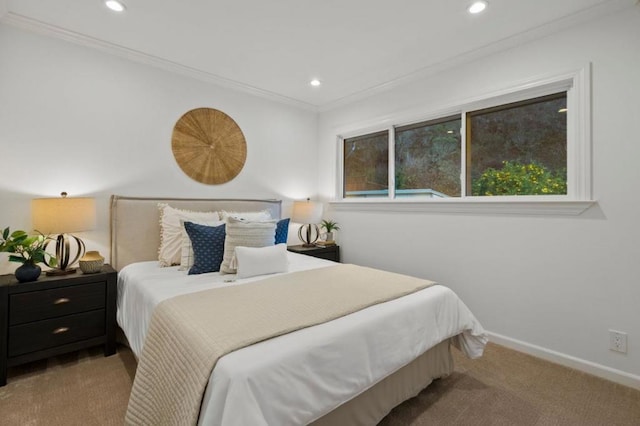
<point x="79" y="120"/>
<point x="549" y="285"/>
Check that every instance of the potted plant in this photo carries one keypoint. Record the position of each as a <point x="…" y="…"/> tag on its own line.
<point x="28" y="250"/>
<point x="329" y="226"/>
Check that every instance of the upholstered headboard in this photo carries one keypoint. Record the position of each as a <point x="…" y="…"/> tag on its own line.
<point x="135" y="222"/>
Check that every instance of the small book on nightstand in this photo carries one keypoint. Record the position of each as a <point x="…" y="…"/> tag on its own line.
<point x="327" y="243"/>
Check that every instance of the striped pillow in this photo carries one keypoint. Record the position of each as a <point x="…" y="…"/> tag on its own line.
<point x="245" y="234"/>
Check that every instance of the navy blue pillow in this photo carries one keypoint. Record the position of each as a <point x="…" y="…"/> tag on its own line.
<point x="282" y="231"/>
<point x="208" y="247"/>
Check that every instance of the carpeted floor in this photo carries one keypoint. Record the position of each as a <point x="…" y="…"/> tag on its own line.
<point x="506" y="387"/>
<point x="502" y="388"/>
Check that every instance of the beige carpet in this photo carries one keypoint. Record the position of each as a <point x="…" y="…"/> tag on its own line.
<point x="506" y="387"/>
<point x="502" y="388"/>
<point x="82" y="388"/>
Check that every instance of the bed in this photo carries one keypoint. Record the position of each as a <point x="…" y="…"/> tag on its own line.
<point x="351" y="370"/>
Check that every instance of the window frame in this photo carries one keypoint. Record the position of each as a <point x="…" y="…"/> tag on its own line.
<point x="577" y="84"/>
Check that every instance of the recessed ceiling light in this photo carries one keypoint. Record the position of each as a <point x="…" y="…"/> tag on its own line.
<point x="477" y="7"/>
<point x="115" y="5"/>
<point x="315" y="82"/>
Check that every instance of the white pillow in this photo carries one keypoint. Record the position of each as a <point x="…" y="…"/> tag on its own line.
<point x="251" y="216"/>
<point x="246" y="234"/>
<point x="171" y="230"/>
<point x="186" y="258"/>
<point x="252" y="261"/>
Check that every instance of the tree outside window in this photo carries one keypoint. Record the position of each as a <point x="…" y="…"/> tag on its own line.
<point x="518" y="149"/>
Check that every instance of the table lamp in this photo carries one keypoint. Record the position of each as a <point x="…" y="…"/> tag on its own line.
<point x="62" y="216"/>
<point x="308" y="213"/>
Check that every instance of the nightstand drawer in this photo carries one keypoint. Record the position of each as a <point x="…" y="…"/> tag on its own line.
<point x="39" y="305"/>
<point x="45" y="334"/>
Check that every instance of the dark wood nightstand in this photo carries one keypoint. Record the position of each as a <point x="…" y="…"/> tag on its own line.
<point x="330" y="252"/>
<point x="56" y="315"/>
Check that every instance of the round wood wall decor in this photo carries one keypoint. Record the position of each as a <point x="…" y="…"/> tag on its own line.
<point x="209" y="146"/>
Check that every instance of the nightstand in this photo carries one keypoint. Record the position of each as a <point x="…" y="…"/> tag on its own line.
<point x="56" y="315"/>
<point x="329" y="252"/>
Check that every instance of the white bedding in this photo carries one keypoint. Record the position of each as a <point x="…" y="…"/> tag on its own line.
<point x="298" y="377"/>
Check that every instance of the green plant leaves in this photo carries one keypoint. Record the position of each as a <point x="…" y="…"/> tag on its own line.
<point x="329" y="225"/>
<point x="26" y="248"/>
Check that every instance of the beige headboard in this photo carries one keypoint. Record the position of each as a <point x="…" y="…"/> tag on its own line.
<point x="135" y="222"/>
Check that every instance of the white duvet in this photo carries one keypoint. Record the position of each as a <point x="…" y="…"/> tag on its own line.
<point x="298" y="377"/>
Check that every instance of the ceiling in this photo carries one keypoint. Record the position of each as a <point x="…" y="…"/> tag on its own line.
<point x="275" y="47"/>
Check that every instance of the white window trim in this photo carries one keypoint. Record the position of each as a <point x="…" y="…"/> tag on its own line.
<point x="577" y="83"/>
<point x="467" y="205"/>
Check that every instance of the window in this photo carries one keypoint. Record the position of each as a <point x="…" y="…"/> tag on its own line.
<point x="518" y="149"/>
<point x="366" y="165"/>
<point x="521" y="150"/>
<point x="427" y="159"/>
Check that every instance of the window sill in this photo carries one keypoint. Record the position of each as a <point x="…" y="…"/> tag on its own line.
<point x="506" y="207"/>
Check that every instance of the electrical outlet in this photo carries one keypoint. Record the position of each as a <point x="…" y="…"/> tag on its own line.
<point x="618" y="341"/>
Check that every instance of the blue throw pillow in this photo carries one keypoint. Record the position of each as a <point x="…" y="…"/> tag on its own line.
<point x="282" y="231"/>
<point x="208" y="247"/>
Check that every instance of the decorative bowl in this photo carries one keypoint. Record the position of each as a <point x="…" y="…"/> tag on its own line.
<point x="91" y="262"/>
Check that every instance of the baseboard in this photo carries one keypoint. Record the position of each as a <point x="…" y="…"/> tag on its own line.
<point x="602" y="371"/>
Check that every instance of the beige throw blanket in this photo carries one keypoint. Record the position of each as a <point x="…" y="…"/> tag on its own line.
<point x="189" y="333"/>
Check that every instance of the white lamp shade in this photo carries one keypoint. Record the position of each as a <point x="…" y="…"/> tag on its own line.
<point x="306" y="212"/>
<point x="63" y="215"/>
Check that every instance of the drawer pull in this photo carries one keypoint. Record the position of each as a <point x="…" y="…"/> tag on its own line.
<point x="60" y="330"/>
<point x="61" y="301"/>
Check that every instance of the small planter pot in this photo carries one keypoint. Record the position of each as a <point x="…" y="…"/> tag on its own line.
<point x="28" y="272"/>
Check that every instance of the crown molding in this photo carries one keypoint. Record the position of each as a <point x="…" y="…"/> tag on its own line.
<point x="547" y="29"/>
<point x="45" y="29"/>
<point x="597" y="11"/>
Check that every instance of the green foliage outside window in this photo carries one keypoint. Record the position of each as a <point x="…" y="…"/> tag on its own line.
<point x="520" y="179"/>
